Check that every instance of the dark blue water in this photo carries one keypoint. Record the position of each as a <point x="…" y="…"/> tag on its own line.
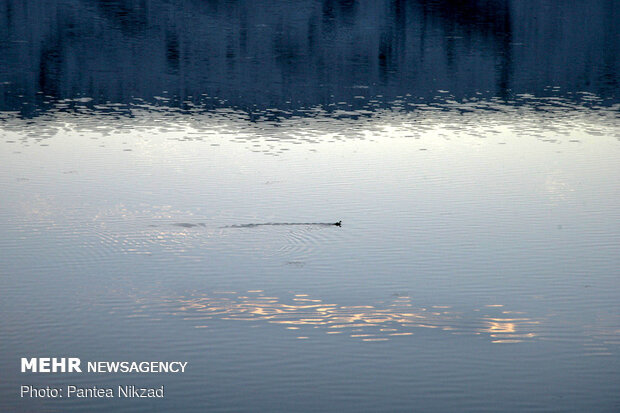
<point x="170" y="173"/>
<point x="299" y="55"/>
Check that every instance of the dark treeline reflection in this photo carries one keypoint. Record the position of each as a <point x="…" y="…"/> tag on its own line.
<point x="290" y="55"/>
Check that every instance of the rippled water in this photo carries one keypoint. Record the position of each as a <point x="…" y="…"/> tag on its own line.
<point x="185" y="209"/>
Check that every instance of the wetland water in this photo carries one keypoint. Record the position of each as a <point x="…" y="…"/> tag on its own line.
<point x="171" y="173"/>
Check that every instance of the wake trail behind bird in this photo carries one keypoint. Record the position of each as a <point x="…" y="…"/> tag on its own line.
<point x="323" y="224"/>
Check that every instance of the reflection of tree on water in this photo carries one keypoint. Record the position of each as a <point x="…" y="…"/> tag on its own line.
<point x="490" y="19"/>
<point x="257" y="55"/>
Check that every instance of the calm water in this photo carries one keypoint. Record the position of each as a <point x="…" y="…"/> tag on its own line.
<point x="170" y="173"/>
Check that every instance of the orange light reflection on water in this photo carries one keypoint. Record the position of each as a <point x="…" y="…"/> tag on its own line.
<point x="389" y="320"/>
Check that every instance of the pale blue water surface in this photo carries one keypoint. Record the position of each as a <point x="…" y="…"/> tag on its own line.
<point x="170" y="173"/>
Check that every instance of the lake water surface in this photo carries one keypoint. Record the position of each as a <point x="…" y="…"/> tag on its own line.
<point x="170" y="173"/>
